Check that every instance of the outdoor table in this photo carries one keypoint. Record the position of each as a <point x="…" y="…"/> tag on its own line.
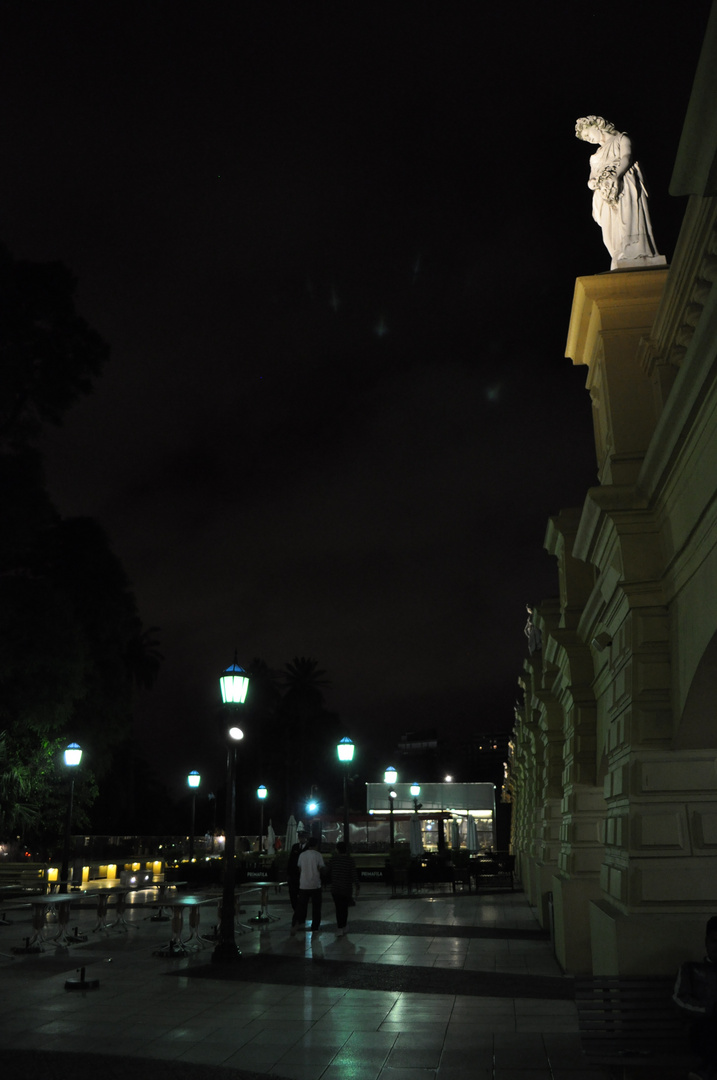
<point x="177" y="945"/>
<point x="103" y="899"/>
<point x="54" y="887"/>
<point x="40" y="907"/>
<point x="263" y="915"/>
<point x="120" y="923"/>
<point x="162" y="888"/>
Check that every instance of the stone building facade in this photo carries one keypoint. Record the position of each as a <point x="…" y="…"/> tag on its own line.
<point x="613" y="775"/>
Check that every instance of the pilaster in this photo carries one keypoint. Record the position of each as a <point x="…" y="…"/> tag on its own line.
<point x="576" y="879"/>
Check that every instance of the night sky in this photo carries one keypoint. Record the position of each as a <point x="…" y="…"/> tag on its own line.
<point x="333" y="248"/>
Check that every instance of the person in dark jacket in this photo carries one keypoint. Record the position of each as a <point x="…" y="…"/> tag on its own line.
<point x="293" y="873"/>
<point x="344" y="879"/>
<point x="696" y="995"/>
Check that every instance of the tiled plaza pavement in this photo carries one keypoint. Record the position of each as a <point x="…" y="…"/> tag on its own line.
<point x="427" y="987"/>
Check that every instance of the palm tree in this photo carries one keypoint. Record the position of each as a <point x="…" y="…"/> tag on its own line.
<point x="262" y="704"/>
<point x="265" y="684"/>
<point x="143" y="658"/>
<point x="302" y="721"/>
<point x="304" y="678"/>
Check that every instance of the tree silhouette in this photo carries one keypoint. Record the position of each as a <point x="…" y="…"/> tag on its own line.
<point x="304" y="680"/>
<point x="305" y="726"/>
<point x="68" y="619"/>
<point x="48" y="353"/>
<point x="142" y="656"/>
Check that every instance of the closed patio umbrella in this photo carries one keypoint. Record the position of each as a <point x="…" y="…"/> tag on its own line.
<point x="292" y="833"/>
<point x="455" y="835"/>
<point x="472" y="839"/>
<point x="270" y="837"/>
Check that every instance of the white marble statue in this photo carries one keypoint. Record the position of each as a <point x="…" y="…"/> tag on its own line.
<point x="619" y="196"/>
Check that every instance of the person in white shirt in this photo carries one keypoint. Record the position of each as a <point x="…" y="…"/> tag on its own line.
<point x="311" y="864"/>
<point x="292" y="874"/>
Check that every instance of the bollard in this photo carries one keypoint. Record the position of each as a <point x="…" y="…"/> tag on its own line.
<point x="27" y="948"/>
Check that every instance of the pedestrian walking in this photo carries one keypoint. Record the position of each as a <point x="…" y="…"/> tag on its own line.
<point x="293" y="874"/>
<point x="344" y="882"/>
<point x="311" y="863"/>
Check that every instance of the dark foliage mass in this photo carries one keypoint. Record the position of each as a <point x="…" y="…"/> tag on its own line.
<point x="71" y="639"/>
<point x="49" y="354"/>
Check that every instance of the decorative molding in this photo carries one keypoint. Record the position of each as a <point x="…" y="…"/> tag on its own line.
<point x="689" y="284"/>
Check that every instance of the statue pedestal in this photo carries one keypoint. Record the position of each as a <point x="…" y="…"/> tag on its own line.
<point x="611" y="315"/>
<point x="638" y="264"/>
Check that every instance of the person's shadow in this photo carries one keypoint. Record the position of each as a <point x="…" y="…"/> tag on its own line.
<point x="317" y="949"/>
<point x="343" y="948"/>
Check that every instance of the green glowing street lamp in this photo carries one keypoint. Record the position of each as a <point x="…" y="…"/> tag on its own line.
<point x="233" y="684"/>
<point x="312" y="810"/>
<point x="261" y="794"/>
<point x="193" y="781"/>
<point x="390" y="777"/>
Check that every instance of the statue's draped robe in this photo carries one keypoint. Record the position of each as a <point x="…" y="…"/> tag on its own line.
<point x="626" y="226"/>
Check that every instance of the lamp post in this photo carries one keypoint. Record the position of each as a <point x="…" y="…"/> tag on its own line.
<point x="234" y="684"/>
<point x="390" y="777"/>
<point x="73" y="757"/>
<point x="416" y="832"/>
<point x="345" y="751"/>
<point x="312" y="809"/>
<point x="261" y="794"/>
<point x="441" y="824"/>
<point x="193" y="780"/>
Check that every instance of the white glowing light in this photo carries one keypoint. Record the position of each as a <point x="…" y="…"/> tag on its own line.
<point x="345" y="750"/>
<point x="73" y="754"/>
<point x="234" y="684"/>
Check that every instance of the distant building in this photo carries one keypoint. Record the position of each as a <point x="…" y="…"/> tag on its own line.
<point x="479" y="758"/>
<point x="418" y="754"/>
<point x="418" y="742"/>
